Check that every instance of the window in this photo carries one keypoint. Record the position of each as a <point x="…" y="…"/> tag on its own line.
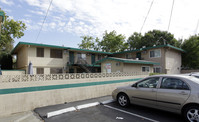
<point x="78" y="55"/>
<point x="118" y="64"/>
<point x="145" y="69"/>
<point x="56" y="70"/>
<point x="128" y="56"/>
<point x="81" y="56"/>
<point x="155" y="54"/>
<point x="157" y="70"/>
<point x="99" y="57"/>
<point x="149" y="83"/>
<point x="40" y="52"/>
<point x="54" y="53"/>
<point x="173" y="83"/>
<point x="40" y="70"/>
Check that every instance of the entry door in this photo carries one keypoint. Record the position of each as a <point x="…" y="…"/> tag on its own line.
<point x="145" y="92"/>
<point x="92" y="58"/>
<point x="71" y="57"/>
<point x="71" y="70"/>
<point x="138" y="55"/>
<point x="173" y="92"/>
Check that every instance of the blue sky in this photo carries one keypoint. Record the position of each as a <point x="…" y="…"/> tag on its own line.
<point x="69" y="19"/>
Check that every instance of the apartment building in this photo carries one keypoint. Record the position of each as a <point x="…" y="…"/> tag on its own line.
<point x="168" y="57"/>
<point x="51" y="59"/>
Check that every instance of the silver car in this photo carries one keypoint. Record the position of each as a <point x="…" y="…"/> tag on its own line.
<point x="174" y="93"/>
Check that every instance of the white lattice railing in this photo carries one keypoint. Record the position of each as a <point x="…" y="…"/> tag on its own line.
<point x="55" y="77"/>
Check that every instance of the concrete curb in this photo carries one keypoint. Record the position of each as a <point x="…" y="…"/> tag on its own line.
<point x="107" y="102"/>
<point x="87" y="105"/>
<point x="70" y="109"/>
<point x="58" y="112"/>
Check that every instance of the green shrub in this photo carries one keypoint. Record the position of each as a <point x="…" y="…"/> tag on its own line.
<point x="6" y="61"/>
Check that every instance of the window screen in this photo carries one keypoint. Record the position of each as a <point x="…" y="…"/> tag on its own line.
<point x="40" y="70"/>
<point x="145" y="69"/>
<point x="40" y="52"/>
<point x="55" y="53"/>
<point x="56" y="70"/>
<point x="157" y="69"/>
<point x="155" y="54"/>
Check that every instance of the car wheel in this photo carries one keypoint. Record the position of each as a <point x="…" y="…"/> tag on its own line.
<point x="191" y="114"/>
<point x="123" y="100"/>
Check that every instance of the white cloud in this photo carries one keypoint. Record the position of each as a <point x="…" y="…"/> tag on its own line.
<point x="37" y="12"/>
<point x="8" y="2"/>
<point x="10" y="17"/>
<point x="93" y="17"/>
<point x="30" y="24"/>
<point x="7" y="10"/>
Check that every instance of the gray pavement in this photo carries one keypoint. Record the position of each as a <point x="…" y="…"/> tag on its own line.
<point x="110" y="112"/>
<point x="102" y="113"/>
<point x="28" y="116"/>
<point x="95" y="114"/>
<point x="42" y="111"/>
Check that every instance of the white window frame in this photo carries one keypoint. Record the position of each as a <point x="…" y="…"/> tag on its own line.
<point x="154" y="50"/>
<point x="145" y="66"/>
<point x="157" y="67"/>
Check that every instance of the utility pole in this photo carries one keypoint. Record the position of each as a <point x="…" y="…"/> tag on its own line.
<point x="2" y="15"/>
<point x="197" y="27"/>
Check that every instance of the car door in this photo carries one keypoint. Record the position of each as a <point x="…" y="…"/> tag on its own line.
<point x="144" y="92"/>
<point x="173" y="92"/>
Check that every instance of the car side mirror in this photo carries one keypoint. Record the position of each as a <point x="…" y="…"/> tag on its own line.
<point x="134" y="85"/>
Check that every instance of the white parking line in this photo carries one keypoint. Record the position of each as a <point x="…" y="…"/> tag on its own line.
<point x="22" y="118"/>
<point x="131" y="113"/>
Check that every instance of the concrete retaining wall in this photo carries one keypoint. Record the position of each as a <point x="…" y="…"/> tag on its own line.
<point x="13" y="72"/>
<point x="25" y="96"/>
<point x="188" y="71"/>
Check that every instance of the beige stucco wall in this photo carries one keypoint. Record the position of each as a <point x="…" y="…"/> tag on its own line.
<point x="114" y="68"/>
<point x="26" y="101"/>
<point x="45" y="62"/>
<point x="188" y="71"/>
<point x="22" y="58"/>
<point x="132" y="55"/>
<point x="13" y="72"/>
<point x="170" y="60"/>
<point x="173" y="61"/>
<point x="124" y="67"/>
<point x="146" y="56"/>
<point x="28" y="54"/>
<point x="136" y="67"/>
<point x="88" y="56"/>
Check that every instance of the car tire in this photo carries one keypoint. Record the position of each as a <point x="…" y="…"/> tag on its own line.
<point x="123" y="100"/>
<point x="191" y="113"/>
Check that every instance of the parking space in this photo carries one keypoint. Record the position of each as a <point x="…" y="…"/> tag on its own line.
<point x="112" y="112"/>
<point x="153" y="114"/>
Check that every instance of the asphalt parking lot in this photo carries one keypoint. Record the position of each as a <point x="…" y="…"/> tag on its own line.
<point x="110" y="112"/>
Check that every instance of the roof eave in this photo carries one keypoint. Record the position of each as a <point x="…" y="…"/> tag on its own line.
<point x="135" y="62"/>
